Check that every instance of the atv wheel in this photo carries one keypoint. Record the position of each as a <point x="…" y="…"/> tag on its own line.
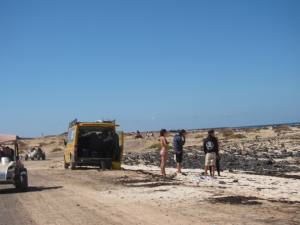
<point x="43" y="157"/>
<point x="26" y="157"/>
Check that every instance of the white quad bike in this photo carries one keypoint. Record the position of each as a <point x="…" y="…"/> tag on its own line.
<point x="12" y="171"/>
<point x="35" y="153"/>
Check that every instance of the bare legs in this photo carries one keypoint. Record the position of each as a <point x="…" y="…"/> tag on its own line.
<point x="179" y="167"/>
<point x="163" y="162"/>
<point x="206" y="169"/>
<point x="211" y="169"/>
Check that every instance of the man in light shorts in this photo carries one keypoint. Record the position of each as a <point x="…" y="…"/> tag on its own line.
<point x="211" y="149"/>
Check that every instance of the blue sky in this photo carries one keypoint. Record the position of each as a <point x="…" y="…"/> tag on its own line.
<point x="148" y="64"/>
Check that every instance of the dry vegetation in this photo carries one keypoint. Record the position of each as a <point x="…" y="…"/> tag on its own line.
<point x="281" y="129"/>
<point x="230" y="134"/>
<point x="155" y="146"/>
<point x="57" y="150"/>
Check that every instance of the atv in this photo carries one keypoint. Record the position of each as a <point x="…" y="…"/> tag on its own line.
<point x="12" y="171"/>
<point x="35" y="153"/>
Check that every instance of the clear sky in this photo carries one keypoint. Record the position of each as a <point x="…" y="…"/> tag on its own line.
<point x="149" y="64"/>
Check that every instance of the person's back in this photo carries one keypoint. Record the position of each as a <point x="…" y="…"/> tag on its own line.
<point x="178" y="143"/>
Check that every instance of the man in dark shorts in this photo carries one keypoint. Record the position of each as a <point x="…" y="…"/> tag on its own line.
<point x="178" y="143"/>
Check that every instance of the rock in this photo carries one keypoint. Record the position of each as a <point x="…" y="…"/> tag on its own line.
<point x="235" y="181"/>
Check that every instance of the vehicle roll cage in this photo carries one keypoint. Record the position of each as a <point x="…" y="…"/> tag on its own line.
<point x="11" y="142"/>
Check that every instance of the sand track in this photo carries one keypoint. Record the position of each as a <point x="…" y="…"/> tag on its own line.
<point x="64" y="197"/>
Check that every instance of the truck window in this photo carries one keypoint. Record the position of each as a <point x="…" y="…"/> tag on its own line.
<point x="71" y="135"/>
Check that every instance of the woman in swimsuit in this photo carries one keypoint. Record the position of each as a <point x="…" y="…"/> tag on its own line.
<point x="164" y="151"/>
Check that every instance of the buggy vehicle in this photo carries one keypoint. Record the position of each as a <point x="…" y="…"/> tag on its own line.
<point x="12" y="171"/>
<point x="35" y="153"/>
<point x="94" y="144"/>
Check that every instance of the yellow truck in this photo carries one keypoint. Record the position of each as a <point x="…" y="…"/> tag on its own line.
<point x="97" y="144"/>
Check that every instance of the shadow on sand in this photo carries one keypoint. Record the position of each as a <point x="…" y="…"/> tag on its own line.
<point x="13" y="190"/>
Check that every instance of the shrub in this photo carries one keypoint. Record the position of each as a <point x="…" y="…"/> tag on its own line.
<point x="239" y="136"/>
<point x="156" y="146"/>
<point x="42" y="144"/>
<point x="22" y="144"/>
<point x="57" y="150"/>
<point x="227" y="132"/>
<point x="282" y="128"/>
<point x="199" y="136"/>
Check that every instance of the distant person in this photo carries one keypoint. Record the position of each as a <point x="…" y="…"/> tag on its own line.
<point x="211" y="150"/>
<point x="138" y="135"/>
<point x="178" y="143"/>
<point x="149" y="134"/>
<point x="164" y="151"/>
<point x="1" y="152"/>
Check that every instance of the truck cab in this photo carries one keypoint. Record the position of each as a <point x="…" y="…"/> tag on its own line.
<point x="93" y="144"/>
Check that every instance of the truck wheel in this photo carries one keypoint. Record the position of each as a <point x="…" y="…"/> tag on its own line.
<point x="72" y="164"/>
<point x="66" y="165"/>
<point x="103" y="165"/>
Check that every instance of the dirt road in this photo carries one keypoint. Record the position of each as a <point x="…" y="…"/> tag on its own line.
<point x="65" y="197"/>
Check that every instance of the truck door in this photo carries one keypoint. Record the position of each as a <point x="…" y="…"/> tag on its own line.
<point x="119" y="149"/>
<point x="121" y="144"/>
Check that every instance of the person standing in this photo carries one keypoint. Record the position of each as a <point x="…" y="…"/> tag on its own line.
<point x="164" y="151"/>
<point x="211" y="150"/>
<point x="178" y="143"/>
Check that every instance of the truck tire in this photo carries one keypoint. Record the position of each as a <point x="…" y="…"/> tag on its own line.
<point x="72" y="164"/>
<point x="66" y="165"/>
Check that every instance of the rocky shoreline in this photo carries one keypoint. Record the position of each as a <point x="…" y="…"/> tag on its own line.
<point x="266" y="156"/>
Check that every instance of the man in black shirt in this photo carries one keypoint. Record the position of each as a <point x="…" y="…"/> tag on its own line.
<point x="211" y="150"/>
